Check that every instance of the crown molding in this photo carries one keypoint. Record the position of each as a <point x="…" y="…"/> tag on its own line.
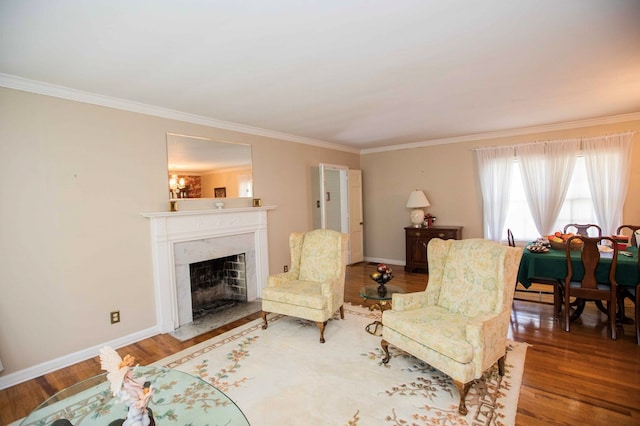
<point x="42" y="88"/>
<point x="509" y="133"/>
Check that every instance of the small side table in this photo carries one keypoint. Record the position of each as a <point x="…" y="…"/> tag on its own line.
<point x="370" y="292"/>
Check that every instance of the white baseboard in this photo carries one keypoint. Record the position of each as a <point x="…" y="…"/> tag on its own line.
<point x="17" y="377"/>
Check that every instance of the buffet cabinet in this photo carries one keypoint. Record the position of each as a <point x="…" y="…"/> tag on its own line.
<point x="417" y="240"/>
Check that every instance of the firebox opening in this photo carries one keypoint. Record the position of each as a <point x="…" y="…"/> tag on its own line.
<point x="217" y="284"/>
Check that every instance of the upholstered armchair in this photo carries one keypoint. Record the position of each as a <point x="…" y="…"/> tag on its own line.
<point x="459" y="323"/>
<point x="313" y="288"/>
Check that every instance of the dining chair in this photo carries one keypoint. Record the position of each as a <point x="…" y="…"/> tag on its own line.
<point x="583" y="229"/>
<point x="588" y="287"/>
<point x="632" y="293"/>
<point x="633" y="241"/>
<point x="557" y="299"/>
<point x="512" y="243"/>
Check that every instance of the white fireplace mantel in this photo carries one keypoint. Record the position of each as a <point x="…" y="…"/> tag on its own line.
<point x="171" y="228"/>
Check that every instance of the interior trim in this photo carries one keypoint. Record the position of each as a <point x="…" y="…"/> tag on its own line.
<point x="33" y="86"/>
<point x="19" y="83"/>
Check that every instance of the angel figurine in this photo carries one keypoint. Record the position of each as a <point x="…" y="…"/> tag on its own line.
<point x="123" y="385"/>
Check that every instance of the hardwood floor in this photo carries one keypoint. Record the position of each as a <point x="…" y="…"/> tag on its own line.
<point x="576" y="378"/>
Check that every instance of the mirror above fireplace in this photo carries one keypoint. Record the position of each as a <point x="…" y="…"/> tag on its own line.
<point x="205" y="168"/>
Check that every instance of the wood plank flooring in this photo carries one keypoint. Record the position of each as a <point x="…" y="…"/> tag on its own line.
<point x="576" y="378"/>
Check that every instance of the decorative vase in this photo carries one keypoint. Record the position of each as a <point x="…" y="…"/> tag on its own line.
<point x="382" y="290"/>
<point x="382" y="275"/>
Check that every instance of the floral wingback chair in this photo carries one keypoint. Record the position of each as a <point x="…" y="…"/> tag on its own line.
<point x="459" y="323"/>
<point x="313" y="288"/>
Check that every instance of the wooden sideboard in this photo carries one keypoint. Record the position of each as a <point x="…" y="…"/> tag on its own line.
<point x="417" y="240"/>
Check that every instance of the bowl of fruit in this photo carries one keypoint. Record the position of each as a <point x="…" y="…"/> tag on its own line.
<point x="558" y="241"/>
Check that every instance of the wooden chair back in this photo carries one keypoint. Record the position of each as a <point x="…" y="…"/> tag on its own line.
<point x="632" y="241"/>
<point x="510" y="240"/>
<point x="583" y="229"/>
<point x="588" y="287"/>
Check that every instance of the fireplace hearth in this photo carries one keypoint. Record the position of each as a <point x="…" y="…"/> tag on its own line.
<point x="214" y="307"/>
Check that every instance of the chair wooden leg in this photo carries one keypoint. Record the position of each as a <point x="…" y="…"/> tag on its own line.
<point x="263" y="314"/>
<point x="637" y="309"/>
<point x="501" y="364"/>
<point x="567" y="312"/>
<point x="557" y="299"/>
<point x="341" y="311"/>
<point x="321" y="326"/>
<point x="611" y="307"/>
<point x="385" y="348"/>
<point x="463" y="389"/>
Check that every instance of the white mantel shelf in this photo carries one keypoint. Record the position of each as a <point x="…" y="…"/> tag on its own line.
<point x="206" y="212"/>
<point x="171" y="229"/>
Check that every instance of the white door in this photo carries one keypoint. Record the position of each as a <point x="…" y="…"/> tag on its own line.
<point x="356" y="235"/>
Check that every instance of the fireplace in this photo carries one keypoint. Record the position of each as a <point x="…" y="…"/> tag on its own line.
<point x="217" y="285"/>
<point x="180" y="239"/>
<point x="188" y="253"/>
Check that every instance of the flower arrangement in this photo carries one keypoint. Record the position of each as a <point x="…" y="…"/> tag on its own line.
<point x="136" y="394"/>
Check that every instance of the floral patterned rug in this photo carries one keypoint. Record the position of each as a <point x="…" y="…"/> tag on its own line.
<point x="284" y="376"/>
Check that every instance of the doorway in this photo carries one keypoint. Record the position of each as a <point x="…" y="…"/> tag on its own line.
<point x="338" y="197"/>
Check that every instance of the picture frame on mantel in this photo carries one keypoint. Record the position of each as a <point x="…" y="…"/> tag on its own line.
<point x="220" y="192"/>
<point x="257" y="202"/>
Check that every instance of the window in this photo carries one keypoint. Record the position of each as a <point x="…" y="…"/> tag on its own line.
<point x="577" y="207"/>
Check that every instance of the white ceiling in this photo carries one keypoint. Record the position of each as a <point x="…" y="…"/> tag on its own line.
<point x="358" y="73"/>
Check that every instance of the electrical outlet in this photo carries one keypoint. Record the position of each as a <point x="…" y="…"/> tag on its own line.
<point x="115" y="317"/>
<point x="286" y="268"/>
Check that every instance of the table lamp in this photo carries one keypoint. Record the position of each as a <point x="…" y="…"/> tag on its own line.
<point x="417" y="201"/>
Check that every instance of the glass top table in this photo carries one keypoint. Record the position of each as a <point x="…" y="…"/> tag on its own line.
<point x="383" y="301"/>
<point x="179" y="399"/>
<point x="370" y="292"/>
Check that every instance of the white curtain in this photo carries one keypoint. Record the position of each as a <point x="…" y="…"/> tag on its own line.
<point x="608" y="163"/>
<point x="494" y="167"/>
<point x="546" y="170"/>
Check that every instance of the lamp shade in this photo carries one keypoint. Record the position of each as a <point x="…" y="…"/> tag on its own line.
<point x="417" y="199"/>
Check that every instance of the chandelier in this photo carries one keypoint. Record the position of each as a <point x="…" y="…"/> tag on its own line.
<point x="176" y="185"/>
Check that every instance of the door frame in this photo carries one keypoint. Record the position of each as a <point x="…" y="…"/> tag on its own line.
<point x="344" y="196"/>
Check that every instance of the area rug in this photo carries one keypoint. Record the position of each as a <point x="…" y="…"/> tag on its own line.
<point x="284" y="376"/>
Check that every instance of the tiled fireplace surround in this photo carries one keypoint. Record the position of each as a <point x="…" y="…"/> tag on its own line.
<point x="181" y="238"/>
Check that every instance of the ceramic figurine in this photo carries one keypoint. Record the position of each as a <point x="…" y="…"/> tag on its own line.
<point x="130" y="391"/>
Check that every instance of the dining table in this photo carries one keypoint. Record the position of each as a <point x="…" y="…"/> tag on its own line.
<point x="552" y="265"/>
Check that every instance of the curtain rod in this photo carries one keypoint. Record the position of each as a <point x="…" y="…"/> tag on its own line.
<point x="582" y="138"/>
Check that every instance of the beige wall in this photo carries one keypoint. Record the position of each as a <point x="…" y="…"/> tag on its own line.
<point x="73" y="243"/>
<point x="448" y="176"/>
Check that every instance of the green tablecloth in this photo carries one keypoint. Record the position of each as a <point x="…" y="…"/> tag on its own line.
<point x="554" y="265"/>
